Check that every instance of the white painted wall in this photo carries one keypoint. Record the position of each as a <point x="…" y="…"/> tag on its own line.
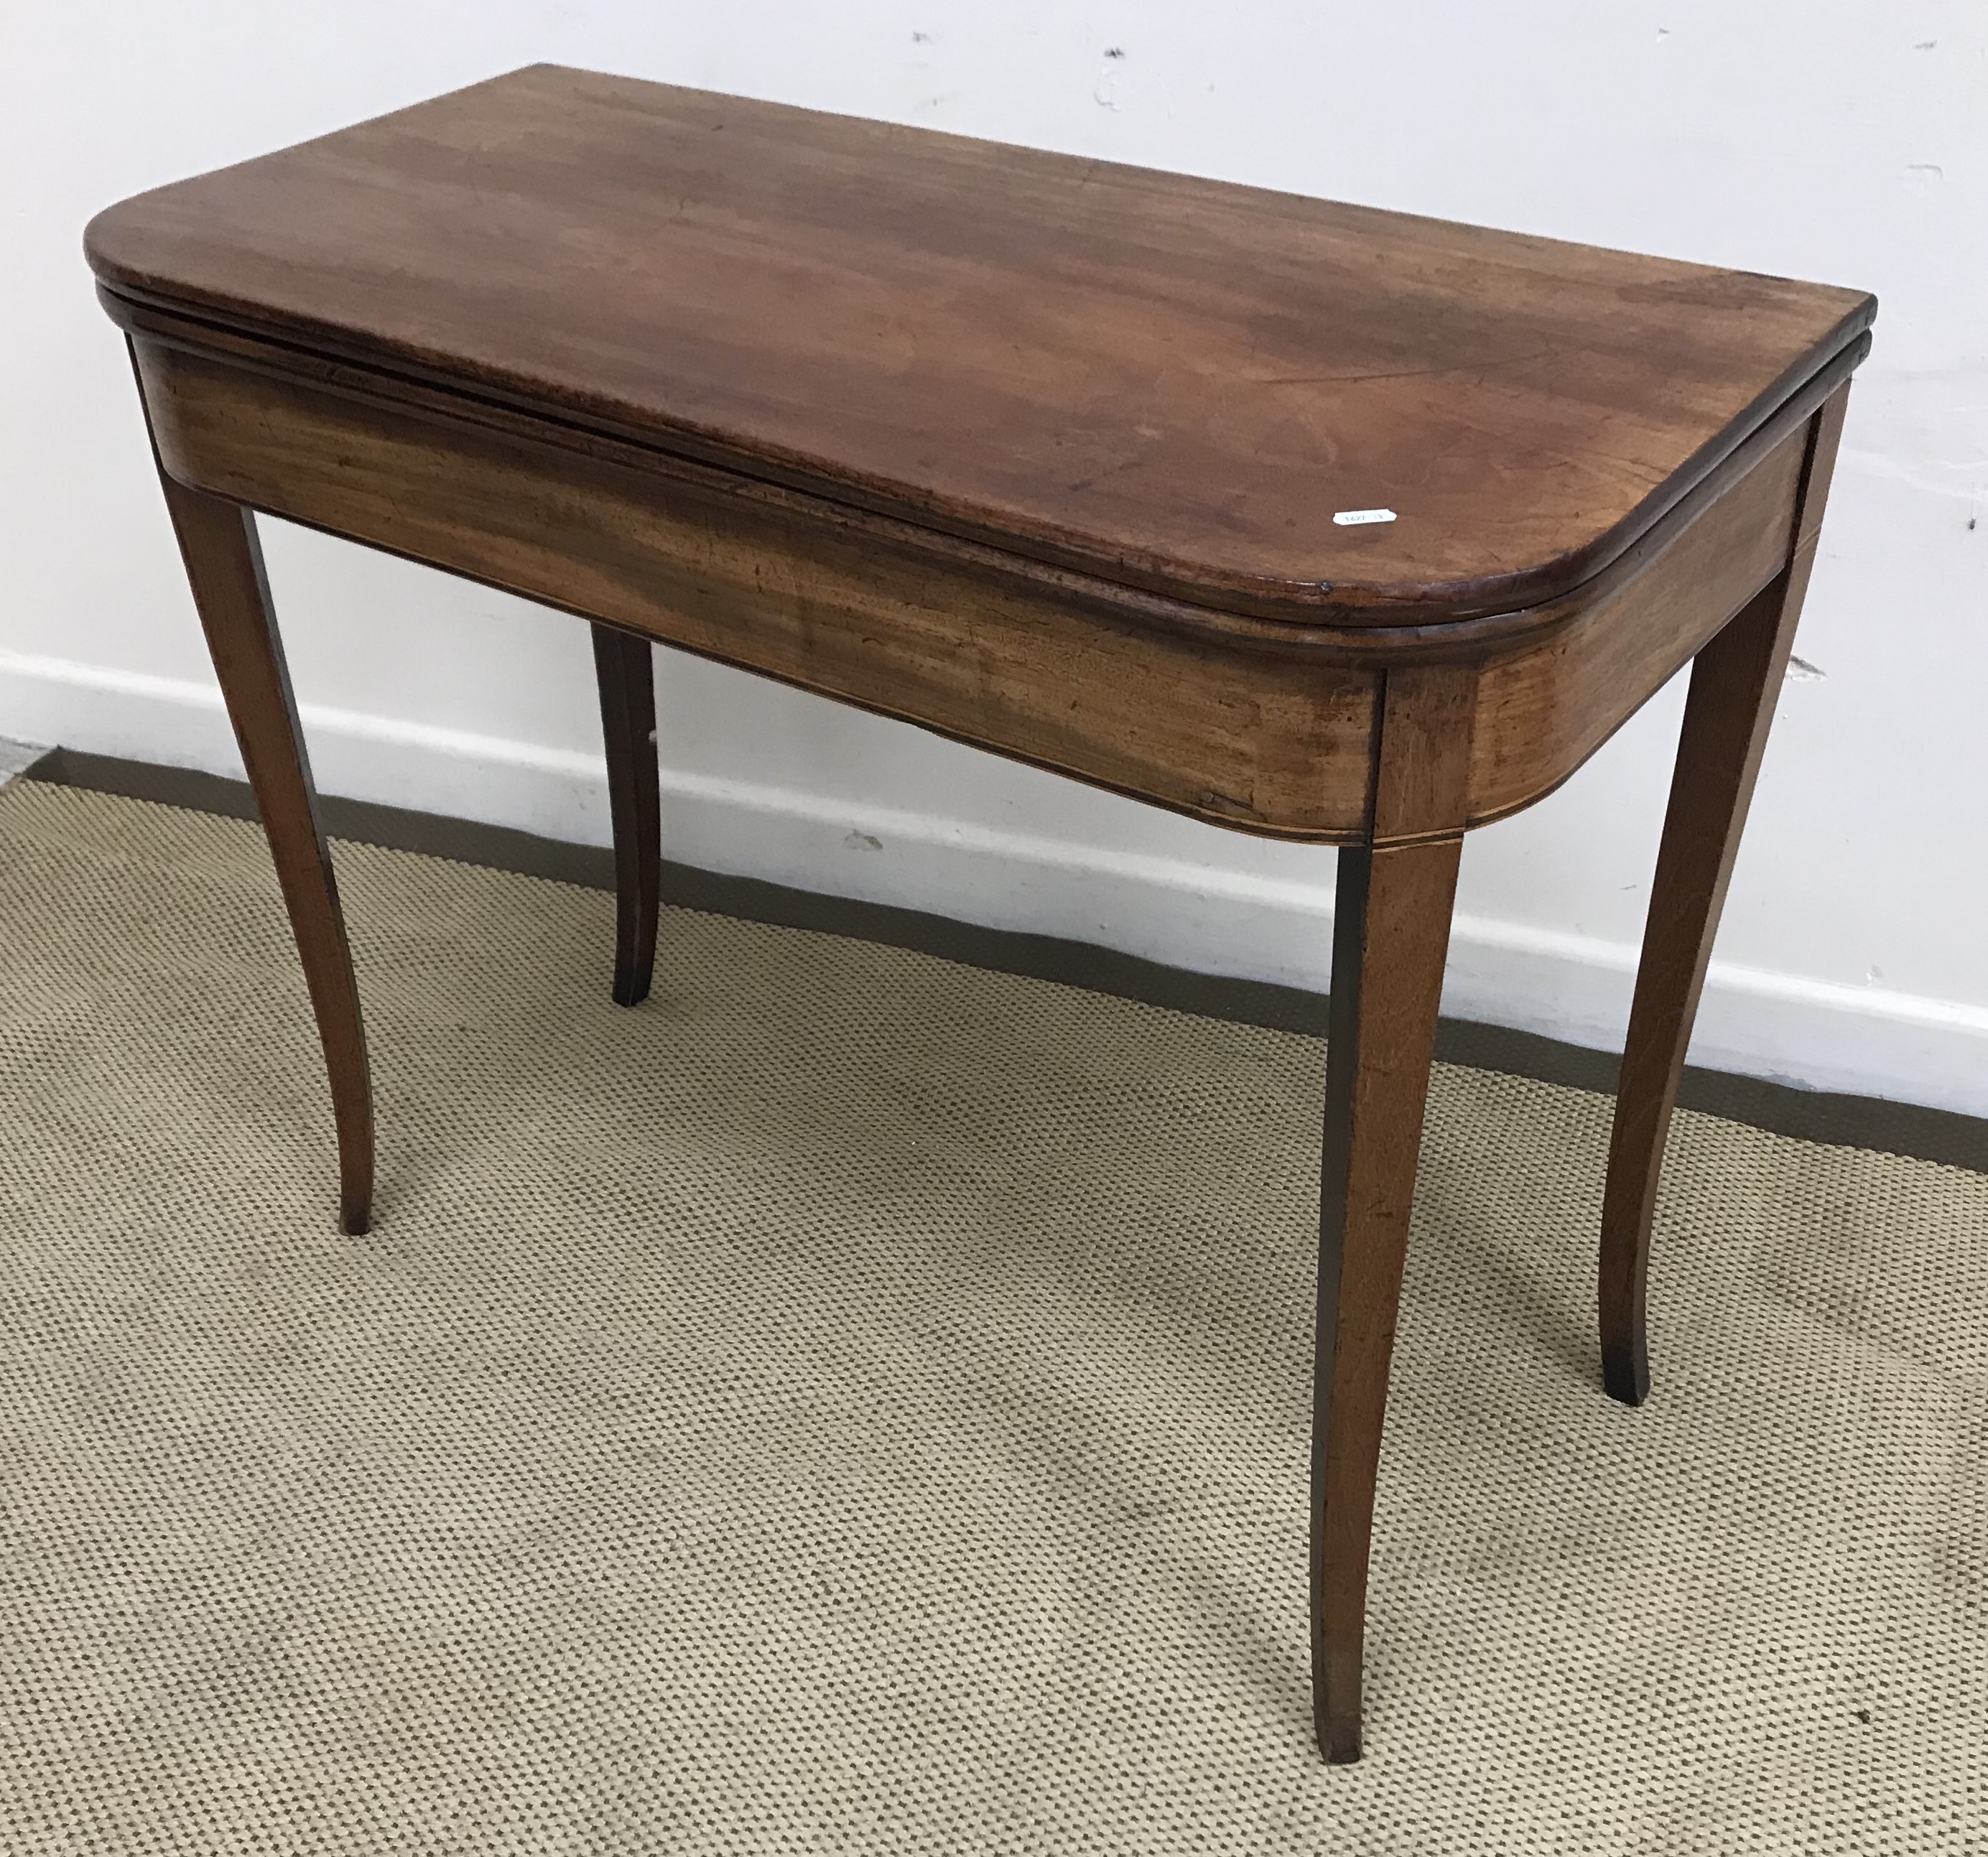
<point x="1845" y="140"/>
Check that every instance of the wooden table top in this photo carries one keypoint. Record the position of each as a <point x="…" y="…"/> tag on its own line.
<point x="1171" y="383"/>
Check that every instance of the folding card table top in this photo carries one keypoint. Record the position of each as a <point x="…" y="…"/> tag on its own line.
<point x="1307" y="519"/>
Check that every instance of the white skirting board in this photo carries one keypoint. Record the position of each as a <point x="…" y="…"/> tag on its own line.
<point x="1814" y="1033"/>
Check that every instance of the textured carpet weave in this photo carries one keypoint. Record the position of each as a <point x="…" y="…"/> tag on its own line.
<point x="857" y="1403"/>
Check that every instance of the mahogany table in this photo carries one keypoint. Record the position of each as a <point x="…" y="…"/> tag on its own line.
<point x="1306" y="519"/>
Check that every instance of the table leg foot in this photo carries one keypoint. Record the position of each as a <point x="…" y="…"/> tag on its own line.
<point x="1625" y="1370"/>
<point x="623" y="667"/>
<point x="1340" y="1742"/>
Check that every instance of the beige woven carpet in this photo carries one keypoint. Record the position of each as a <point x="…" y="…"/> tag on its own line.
<point x="856" y="1403"/>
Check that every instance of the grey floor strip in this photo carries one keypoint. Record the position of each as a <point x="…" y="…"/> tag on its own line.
<point x="16" y="757"/>
<point x="1863" y="1121"/>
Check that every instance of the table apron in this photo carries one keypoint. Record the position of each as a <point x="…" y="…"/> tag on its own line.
<point x="1543" y="710"/>
<point x="1282" y="745"/>
<point x="1245" y="739"/>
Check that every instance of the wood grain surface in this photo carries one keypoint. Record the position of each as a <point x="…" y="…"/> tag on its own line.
<point x="1057" y="677"/>
<point x="1171" y="382"/>
<point x="1544" y="710"/>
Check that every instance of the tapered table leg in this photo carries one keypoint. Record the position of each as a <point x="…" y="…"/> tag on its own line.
<point x="1734" y="682"/>
<point x="622" y="664"/>
<point x="224" y="565"/>
<point x="1391" y="934"/>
